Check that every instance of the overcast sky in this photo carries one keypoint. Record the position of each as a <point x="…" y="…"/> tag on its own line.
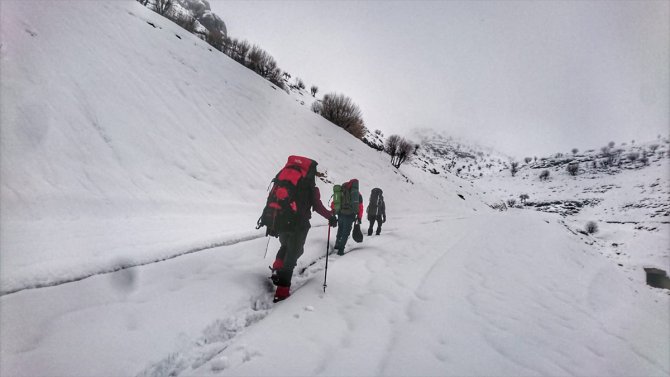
<point x="527" y="78"/>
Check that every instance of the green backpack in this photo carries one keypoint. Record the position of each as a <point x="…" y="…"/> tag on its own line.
<point x="346" y="197"/>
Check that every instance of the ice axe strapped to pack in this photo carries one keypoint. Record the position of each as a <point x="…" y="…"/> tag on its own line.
<point x="289" y="193"/>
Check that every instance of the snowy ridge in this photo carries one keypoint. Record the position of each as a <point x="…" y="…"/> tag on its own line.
<point x="155" y="145"/>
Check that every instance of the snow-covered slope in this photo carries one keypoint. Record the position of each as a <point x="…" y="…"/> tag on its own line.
<point x="628" y="200"/>
<point x="442" y="154"/>
<point x="126" y="141"/>
<point x="145" y="148"/>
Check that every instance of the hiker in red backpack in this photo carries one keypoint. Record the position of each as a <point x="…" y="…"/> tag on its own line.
<point x="287" y="213"/>
<point x="348" y="206"/>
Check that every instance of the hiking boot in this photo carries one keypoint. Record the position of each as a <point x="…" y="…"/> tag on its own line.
<point x="282" y="293"/>
<point x="377" y="232"/>
<point x="370" y="232"/>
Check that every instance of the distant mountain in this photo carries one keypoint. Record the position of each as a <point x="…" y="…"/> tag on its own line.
<point x="439" y="153"/>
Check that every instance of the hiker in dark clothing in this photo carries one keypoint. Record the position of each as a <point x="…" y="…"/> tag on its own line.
<point x="376" y="210"/>
<point x="293" y="242"/>
<point x="346" y="213"/>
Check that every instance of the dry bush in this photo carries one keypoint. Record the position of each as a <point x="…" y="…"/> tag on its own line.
<point x="591" y="227"/>
<point x="342" y="111"/>
<point x="573" y="168"/>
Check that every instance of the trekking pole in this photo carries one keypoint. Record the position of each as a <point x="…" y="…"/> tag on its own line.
<point x="266" y="249"/>
<point x="327" y="250"/>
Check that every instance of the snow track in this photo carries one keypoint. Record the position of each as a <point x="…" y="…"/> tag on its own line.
<point x="220" y="334"/>
<point x="123" y="265"/>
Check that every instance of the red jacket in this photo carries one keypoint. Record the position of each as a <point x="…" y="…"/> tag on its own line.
<point x="318" y="207"/>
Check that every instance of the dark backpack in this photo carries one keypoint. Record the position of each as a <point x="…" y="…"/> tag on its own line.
<point x="289" y="197"/>
<point x="346" y="197"/>
<point x="376" y="203"/>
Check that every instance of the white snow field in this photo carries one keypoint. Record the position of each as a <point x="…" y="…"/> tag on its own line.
<point x="134" y="163"/>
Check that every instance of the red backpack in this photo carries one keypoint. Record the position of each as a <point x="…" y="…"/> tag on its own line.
<point x="291" y="192"/>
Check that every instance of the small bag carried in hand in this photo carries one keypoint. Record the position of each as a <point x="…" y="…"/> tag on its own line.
<point x="356" y="234"/>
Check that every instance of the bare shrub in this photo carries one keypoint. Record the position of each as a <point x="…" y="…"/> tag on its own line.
<point x="342" y="111"/>
<point x="514" y="167"/>
<point x="259" y="61"/>
<point x="632" y="156"/>
<point x="511" y="202"/>
<point x="313" y="90"/>
<point x="499" y="206"/>
<point x="591" y="227"/>
<point x="239" y="50"/>
<point x="523" y="198"/>
<point x="573" y="168"/>
<point x="611" y="144"/>
<point x="299" y="83"/>
<point x="653" y="148"/>
<point x="575" y="150"/>
<point x="528" y="159"/>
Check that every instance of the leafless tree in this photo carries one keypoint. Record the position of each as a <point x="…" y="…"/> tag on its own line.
<point x="391" y="146"/>
<point x="342" y="111"/>
<point x="313" y="90"/>
<point x="162" y="6"/>
<point x="405" y="149"/>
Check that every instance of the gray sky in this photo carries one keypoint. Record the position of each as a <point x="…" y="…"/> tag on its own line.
<point x="527" y="77"/>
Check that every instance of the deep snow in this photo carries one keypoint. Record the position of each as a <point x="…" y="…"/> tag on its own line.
<point x="124" y="145"/>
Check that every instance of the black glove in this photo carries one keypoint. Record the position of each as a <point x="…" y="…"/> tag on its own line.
<point x="333" y="221"/>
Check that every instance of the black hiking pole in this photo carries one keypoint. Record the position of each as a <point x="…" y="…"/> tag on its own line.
<point x="327" y="250"/>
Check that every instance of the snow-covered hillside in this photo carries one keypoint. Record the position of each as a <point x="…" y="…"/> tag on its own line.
<point x="628" y="200"/>
<point x="134" y="163"/>
<point x="442" y="154"/>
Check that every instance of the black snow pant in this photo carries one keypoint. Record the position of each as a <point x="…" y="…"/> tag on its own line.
<point x="292" y="247"/>
<point x="372" y="224"/>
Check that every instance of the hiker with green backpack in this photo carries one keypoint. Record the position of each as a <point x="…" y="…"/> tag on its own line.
<point x="348" y="206"/>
